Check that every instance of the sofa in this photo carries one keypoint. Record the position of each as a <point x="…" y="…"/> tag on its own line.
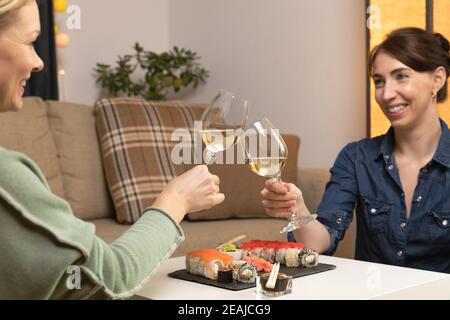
<point x="62" y="139"/>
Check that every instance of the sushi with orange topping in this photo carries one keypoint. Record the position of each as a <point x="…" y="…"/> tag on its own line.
<point x="207" y="262"/>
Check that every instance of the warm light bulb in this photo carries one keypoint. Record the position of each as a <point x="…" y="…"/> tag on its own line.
<point x="60" y="6"/>
<point x="62" y="40"/>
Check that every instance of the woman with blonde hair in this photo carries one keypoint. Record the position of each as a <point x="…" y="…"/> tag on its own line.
<point x="40" y="239"/>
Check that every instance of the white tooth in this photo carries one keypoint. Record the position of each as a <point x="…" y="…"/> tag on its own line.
<point x="397" y="108"/>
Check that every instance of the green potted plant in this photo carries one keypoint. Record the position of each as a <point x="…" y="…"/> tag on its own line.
<point x="163" y="73"/>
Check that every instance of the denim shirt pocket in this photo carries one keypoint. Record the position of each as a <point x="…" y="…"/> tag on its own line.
<point x="376" y="213"/>
<point x="439" y="227"/>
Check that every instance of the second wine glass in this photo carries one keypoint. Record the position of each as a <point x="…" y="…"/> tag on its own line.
<point x="267" y="153"/>
<point x="223" y="122"/>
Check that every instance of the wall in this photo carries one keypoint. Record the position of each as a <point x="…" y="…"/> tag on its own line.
<point x="108" y="28"/>
<point x="301" y="62"/>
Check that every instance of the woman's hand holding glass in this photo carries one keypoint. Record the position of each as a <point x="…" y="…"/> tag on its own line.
<point x="194" y="190"/>
<point x="267" y="153"/>
<point x="280" y="199"/>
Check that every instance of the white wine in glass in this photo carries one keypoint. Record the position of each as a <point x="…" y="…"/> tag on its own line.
<point x="223" y="121"/>
<point x="267" y="154"/>
<point x="218" y="140"/>
<point x="266" y="166"/>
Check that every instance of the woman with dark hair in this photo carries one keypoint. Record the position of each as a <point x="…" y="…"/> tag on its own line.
<point x="41" y="241"/>
<point x="400" y="181"/>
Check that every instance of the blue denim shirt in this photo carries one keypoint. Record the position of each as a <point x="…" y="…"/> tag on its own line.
<point x="365" y="174"/>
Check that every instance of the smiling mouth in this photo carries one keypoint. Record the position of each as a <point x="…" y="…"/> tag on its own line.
<point x="396" y="109"/>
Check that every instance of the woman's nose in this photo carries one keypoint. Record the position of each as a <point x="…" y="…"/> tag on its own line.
<point x="389" y="92"/>
<point x="38" y="64"/>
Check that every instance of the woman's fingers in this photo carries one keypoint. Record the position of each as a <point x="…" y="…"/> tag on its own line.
<point x="216" y="199"/>
<point x="215" y="189"/>
<point x="280" y="198"/>
<point x="215" y="179"/>
<point x="279" y="204"/>
<point x="276" y="186"/>
<point x="268" y="195"/>
<point x="279" y="212"/>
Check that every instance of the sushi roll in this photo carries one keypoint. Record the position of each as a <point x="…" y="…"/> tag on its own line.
<point x="279" y="255"/>
<point x="309" y="258"/>
<point x="291" y="257"/>
<point x="206" y="262"/>
<point x="257" y="252"/>
<point x="235" y="266"/>
<point x="247" y="273"/>
<point x="201" y="268"/>
<point x="260" y="264"/>
<point x="268" y="254"/>
<point x="274" y="251"/>
<point x="187" y="263"/>
<point x="192" y="264"/>
<point x="225" y="275"/>
<point x="246" y="253"/>
<point x="211" y="269"/>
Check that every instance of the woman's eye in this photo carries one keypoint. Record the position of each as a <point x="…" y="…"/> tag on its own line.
<point x="401" y="76"/>
<point x="378" y="82"/>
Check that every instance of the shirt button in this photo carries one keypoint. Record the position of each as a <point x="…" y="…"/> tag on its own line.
<point x="338" y="220"/>
<point x="390" y="167"/>
<point x="399" y="253"/>
<point x="445" y="222"/>
<point x="403" y="225"/>
<point x="419" y="198"/>
<point x="424" y="170"/>
<point x="373" y="210"/>
<point x="387" y="157"/>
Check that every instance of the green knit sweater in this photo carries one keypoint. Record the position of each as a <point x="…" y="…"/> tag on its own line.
<point x="44" y="247"/>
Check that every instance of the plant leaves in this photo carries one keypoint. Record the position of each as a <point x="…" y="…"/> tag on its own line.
<point x="163" y="72"/>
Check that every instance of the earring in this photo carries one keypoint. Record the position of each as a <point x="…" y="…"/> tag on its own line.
<point x="433" y="94"/>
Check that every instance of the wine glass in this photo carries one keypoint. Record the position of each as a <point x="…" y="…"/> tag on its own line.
<point x="223" y="122"/>
<point x="266" y="154"/>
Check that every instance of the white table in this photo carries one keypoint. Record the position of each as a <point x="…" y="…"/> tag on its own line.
<point x="351" y="279"/>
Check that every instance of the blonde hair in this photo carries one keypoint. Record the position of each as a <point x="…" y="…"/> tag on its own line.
<point x="8" y="8"/>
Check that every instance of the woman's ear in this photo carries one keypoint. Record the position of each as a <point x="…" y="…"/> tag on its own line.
<point x="439" y="78"/>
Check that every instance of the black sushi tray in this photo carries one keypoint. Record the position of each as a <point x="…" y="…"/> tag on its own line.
<point x="236" y="286"/>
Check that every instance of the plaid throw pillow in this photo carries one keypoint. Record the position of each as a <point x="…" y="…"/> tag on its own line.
<point x="135" y="137"/>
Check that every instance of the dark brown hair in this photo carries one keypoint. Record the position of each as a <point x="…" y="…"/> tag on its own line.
<point x="420" y="50"/>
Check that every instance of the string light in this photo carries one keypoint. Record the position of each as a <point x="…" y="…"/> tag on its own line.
<point x="62" y="41"/>
<point x="60" y="6"/>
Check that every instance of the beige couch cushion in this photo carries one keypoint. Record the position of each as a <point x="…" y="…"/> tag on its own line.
<point x="83" y="178"/>
<point x="312" y="182"/>
<point x="242" y="187"/>
<point x="28" y="132"/>
<point x="205" y="234"/>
